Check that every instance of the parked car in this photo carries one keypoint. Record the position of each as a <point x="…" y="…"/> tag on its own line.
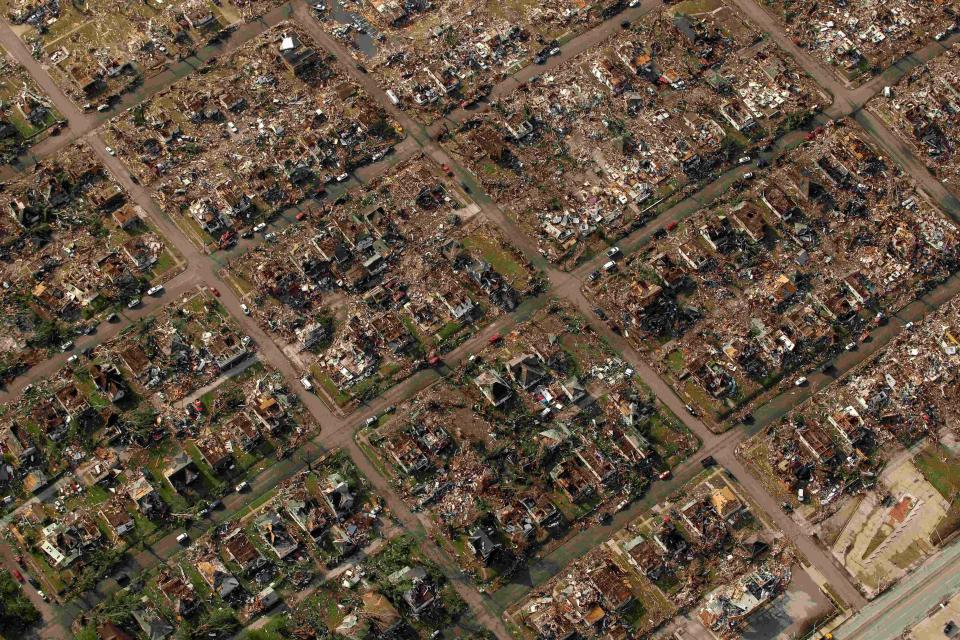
<point x="133" y="304"/>
<point x="155" y="290"/>
<point x="243" y="486"/>
<point x="183" y="538"/>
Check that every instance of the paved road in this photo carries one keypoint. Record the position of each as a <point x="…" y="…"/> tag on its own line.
<point x="896" y="611"/>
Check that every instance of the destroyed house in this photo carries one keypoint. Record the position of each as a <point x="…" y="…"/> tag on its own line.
<point x="646" y="556"/>
<point x="136" y="360"/>
<point x="338" y="496"/>
<point x="573" y="478"/>
<point x="118" y="519"/>
<point x="849" y="426"/>
<point x="145" y="497"/>
<point x="748" y="218"/>
<point x="239" y="549"/>
<point x="269" y="412"/>
<point x="526" y="370"/>
<point x="50" y="418"/>
<point x="241" y="431"/>
<point x="595" y="462"/>
<point x="214" y="451"/>
<point x="308" y="515"/>
<point x="179" y="593"/>
<point x="181" y="472"/>
<point x="405" y="451"/>
<point x="71" y="399"/>
<point x="274" y="533"/>
<point x="493" y="387"/>
<point x="817" y="442"/>
<point x="420" y="596"/>
<point x="482" y="545"/>
<point x="613" y="586"/>
<point x="105" y="196"/>
<point x="217" y="577"/>
<point x="108" y="381"/>
<point x="540" y="510"/>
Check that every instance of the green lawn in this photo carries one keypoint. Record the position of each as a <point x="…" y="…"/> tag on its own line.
<point x="330" y="387"/>
<point x="501" y="259"/>
<point x="941" y="469"/>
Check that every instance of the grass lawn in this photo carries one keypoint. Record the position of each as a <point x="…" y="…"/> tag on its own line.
<point x="163" y="264"/>
<point x="941" y="469"/>
<point x="675" y="361"/>
<point x="448" y="330"/>
<point x="333" y="391"/>
<point x="501" y="259"/>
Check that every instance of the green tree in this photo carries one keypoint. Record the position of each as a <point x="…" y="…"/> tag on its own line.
<point x="17" y="613"/>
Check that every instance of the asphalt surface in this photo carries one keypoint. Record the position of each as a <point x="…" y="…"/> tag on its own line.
<point x="902" y="607"/>
<point x="337" y="431"/>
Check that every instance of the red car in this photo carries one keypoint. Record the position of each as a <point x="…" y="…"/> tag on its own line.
<point x="672" y="226"/>
<point x="301" y="215"/>
<point x="495" y="338"/>
<point x="433" y="360"/>
<point x="446" y="169"/>
<point x="16" y="574"/>
<point x="214" y="291"/>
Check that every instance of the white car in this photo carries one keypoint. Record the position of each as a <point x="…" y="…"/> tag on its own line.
<point x="73" y="359"/>
<point x="343" y="177"/>
<point x="182" y="538"/>
<point x="802" y="380"/>
<point x="155" y="290"/>
<point x="232" y="127"/>
<point x="744" y="160"/>
<point x="133" y="304"/>
<point x="748" y="175"/>
<point x="305" y="381"/>
<point x="66" y="346"/>
<point x="269" y="236"/>
<point x="260" y="227"/>
<point x="245" y="309"/>
<point x="612" y="251"/>
<point x="243" y="486"/>
<point x="110" y="151"/>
